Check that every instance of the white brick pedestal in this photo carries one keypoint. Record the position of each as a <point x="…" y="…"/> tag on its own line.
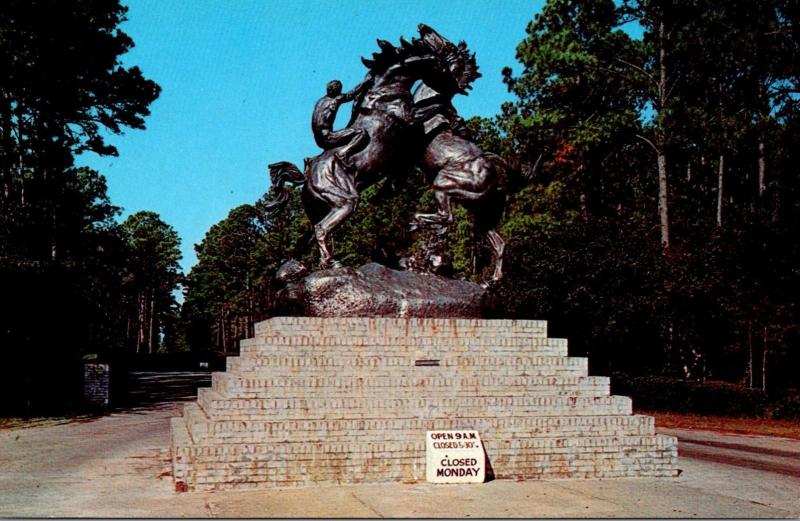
<point x="349" y="400"/>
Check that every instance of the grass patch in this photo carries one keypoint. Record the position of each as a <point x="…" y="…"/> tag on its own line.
<point x="753" y="426"/>
<point x="41" y="421"/>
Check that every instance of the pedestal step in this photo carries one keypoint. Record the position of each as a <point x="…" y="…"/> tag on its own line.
<point x="201" y="427"/>
<point x="408" y="385"/>
<point x="349" y="344"/>
<point x="287" y="464"/>
<point x="390" y="363"/>
<point x="401" y="327"/>
<point x="220" y="407"/>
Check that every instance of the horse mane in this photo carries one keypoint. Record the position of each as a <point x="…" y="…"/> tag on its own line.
<point x="454" y="58"/>
<point x="390" y="55"/>
<point x="470" y="66"/>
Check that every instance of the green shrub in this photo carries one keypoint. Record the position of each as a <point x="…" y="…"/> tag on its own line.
<point x="658" y="393"/>
<point x="787" y="408"/>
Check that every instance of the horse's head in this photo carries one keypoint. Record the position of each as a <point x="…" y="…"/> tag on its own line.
<point x="457" y="64"/>
<point x="432" y="58"/>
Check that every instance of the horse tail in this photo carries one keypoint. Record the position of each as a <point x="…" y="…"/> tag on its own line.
<point x="280" y="174"/>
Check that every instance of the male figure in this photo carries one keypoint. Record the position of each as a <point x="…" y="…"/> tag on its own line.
<point x="349" y="140"/>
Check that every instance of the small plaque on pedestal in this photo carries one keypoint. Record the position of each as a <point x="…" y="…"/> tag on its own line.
<point x="454" y="457"/>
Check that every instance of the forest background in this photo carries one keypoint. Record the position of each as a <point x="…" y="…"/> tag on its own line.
<point x="653" y="217"/>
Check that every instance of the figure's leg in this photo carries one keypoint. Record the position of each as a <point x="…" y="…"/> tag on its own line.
<point x="347" y="142"/>
<point x="358" y="140"/>
<point x="331" y="195"/>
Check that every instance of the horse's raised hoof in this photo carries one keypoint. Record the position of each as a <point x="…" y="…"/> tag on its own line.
<point x="329" y="264"/>
<point x="490" y="284"/>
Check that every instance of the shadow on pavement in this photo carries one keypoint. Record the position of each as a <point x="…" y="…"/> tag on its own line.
<point x="148" y="390"/>
<point x="144" y="391"/>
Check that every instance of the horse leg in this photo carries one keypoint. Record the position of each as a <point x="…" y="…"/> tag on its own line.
<point x="488" y="211"/>
<point x="324" y="227"/>
<point x="443" y="217"/>
<point x="330" y="195"/>
<point x="470" y="180"/>
<point x="498" y="248"/>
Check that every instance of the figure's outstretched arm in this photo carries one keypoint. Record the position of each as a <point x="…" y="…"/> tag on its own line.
<point x="358" y="89"/>
<point x="358" y="95"/>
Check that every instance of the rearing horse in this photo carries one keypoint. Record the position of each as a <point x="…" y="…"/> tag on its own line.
<point x="385" y="111"/>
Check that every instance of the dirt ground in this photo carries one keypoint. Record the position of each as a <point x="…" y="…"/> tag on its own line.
<point x="727" y="425"/>
<point x="117" y="465"/>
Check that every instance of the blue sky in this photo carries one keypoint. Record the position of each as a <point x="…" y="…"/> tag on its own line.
<point x="239" y="80"/>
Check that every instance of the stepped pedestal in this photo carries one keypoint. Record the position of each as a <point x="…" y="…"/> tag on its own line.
<point x="348" y="400"/>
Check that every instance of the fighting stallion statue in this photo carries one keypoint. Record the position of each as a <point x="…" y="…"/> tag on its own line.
<point x="393" y="130"/>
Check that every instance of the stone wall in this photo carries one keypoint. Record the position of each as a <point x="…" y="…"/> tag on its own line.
<point x="96" y="380"/>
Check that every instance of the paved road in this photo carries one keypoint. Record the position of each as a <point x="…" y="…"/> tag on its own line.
<point x="117" y="465"/>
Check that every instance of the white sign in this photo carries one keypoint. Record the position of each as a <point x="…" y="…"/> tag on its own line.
<point x="454" y="457"/>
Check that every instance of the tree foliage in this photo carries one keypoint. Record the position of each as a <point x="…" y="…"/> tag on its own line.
<point x="660" y="231"/>
<point x="701" y="109"/>
<point x="63" y="257"/>
<point x="151" y="275"/>
<point x="63" y="81"/>
<point x="226" y="289"/>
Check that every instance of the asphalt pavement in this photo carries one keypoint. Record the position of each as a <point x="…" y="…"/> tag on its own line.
<point x="117" y="465"/>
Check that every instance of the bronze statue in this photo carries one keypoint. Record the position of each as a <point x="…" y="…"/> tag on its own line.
<point x="392" y="129"/>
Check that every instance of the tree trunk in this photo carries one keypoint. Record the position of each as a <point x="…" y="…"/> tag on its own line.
<point x="6" y="143"/>
<point x="129" y="330"/>
<point x="763" y="102"/>
<point x="251" y="318"/>
<point x="668" y="347"/>
<point x="54" y="242"/>
<point x="216" y="333"/>
<point x="20" y="140"/>
<point x="750" y="353"/>
<point x="720" y="188"/>
<point x="764" y="363"/>
<point x="152" y="321"/>
<point x="663" y="199"/>
<point x="140" y="322"/>
<point x="762" y="169"/>
<point x="663" y="188"/>
<point x="224" y="333"/>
